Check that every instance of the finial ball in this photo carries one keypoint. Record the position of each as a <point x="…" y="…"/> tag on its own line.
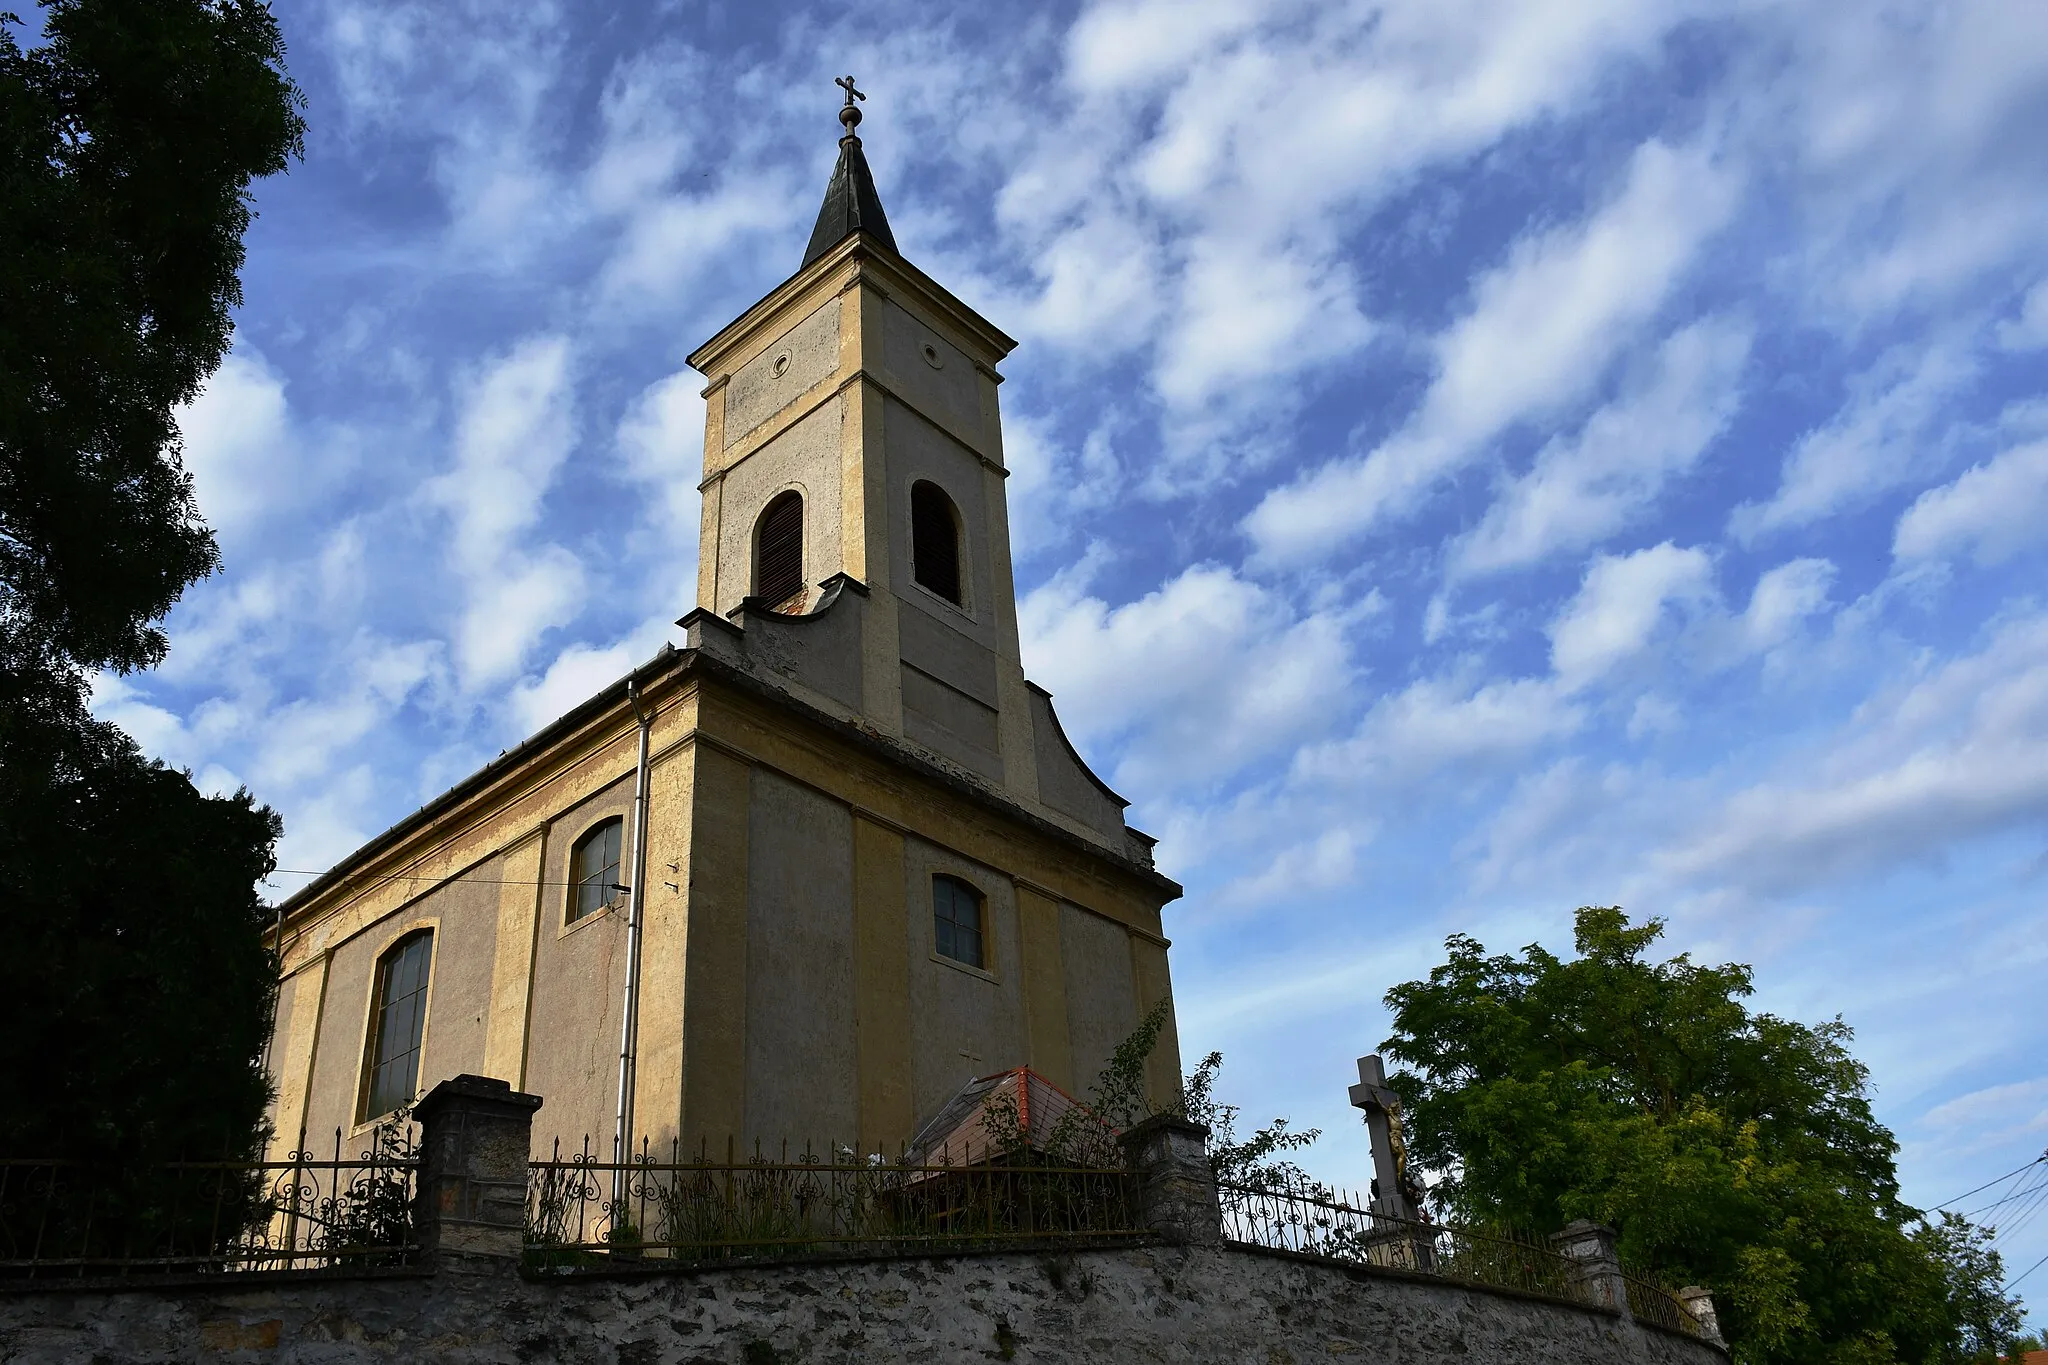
<point x="849" y="115"/>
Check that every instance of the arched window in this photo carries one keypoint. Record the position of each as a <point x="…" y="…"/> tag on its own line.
<point x="935" y="540"/>
<point x="956" y="920"/>
<point x="779" y="552"/>
<point x="594" y="869"/>
<point x="398" y="1017"/>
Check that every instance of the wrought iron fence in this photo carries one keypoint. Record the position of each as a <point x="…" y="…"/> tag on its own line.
<point x="1348" y="1230"/>
<point x="81" y="1220"/>
<point x="1290" y="1220"/>
<point x="1652" y="1303"/>
<point x="584" y="1212"/>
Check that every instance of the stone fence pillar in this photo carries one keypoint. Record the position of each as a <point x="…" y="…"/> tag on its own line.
<point x="475" y="1133"/>
<point x="1176" y="1189"/>
<point x="1698" y="1302"/>
<point x="1596" y="1268"/>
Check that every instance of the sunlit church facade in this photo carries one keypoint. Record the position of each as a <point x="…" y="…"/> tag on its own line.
<point x="803" y="877"/>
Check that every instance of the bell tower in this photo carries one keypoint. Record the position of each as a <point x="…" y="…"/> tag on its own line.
<point x="853" y="446"/>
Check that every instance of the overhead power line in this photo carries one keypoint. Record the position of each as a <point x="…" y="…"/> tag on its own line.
<point x="2014" y="1282"/>
<point x="413" y="877"/>
<point x="1989" y="1183"/>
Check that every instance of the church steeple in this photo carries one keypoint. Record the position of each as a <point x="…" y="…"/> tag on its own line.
<point x="856" y="536"/>
<point x="851" y="204"/>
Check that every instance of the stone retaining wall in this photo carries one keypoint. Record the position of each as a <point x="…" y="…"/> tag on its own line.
<point x="1226" y="1305"/>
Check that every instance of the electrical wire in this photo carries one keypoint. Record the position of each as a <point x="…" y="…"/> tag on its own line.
<point x="2013" y="1283"/>
<point x="2020" y="1192"/>
<point x="2022" y="1218"/>
<point x="1993" y="1181"/>
<point x="412" y="877"/>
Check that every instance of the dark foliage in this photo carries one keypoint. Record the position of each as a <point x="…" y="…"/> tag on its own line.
<point x="1730" y="1148"/>
<point x="136" y="985"/>
<point x="128" y="140"/>
<point x="137" y="982"/>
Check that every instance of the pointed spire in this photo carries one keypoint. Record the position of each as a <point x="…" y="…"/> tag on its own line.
<point x="851" y="204"/>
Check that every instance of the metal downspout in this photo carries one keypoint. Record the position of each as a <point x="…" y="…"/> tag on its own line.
<point x="629" y="1028"/>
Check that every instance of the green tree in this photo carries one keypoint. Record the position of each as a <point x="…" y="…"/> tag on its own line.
<point x="128" y="140"/>
<point x="1729" y="1147"/>
<point x="136" y="985"/>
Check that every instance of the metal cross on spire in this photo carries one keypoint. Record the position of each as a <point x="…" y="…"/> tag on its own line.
<point x="848" y="114"/>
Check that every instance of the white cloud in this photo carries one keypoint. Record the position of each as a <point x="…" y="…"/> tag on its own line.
<point x="1890" y="121"/>
<point x="2028" y="331"/>
<point x="515" y="431"/>
<point x="1190" y="682"/>
<point x="238" y="445"/>
<point x="661" y="438"/>
<point x="1541" y="332"/>
<point x="1993" y="511"/>
<point x="1784" y="597"/>
<point x="2021" y="1104"/>
<point x="1878" y="440"/>
<point x="578" y="673"/>
<point x="1584" y="487"/>
<point x="510" y="607"/>
<point x="1619" y="605"/>
<point x="1439" y="722"/>
<point x="1248" y="314"/>
<point x="1328" y="860"/>
<point x="513" y="434"/>
<point x="1957" y="756"/>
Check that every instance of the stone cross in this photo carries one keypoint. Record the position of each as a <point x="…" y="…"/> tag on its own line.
<point x="1383" y="1121"/>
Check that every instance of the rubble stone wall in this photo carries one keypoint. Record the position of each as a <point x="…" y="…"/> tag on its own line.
<point x="1127" y="1304"/>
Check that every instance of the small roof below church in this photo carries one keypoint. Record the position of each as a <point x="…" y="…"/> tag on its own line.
<point x="851" y="204"/>
<point x="1034" y="1110"/>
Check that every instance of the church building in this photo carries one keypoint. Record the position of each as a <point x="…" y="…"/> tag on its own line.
<point x="806" y="875"/>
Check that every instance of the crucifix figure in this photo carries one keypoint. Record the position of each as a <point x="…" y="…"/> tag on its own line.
<point x="1389" y="1150"/>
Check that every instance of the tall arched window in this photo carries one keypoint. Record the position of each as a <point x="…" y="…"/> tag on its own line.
<point x="398" y="1018"/>
<point x="935" y="540"/>
<point x="779" y="552"/>
<point x="956" y="920"/>
<point x="594" y="869"/>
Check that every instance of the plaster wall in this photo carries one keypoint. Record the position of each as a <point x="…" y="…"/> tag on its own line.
<point x="579" y="982"/>
<point x="513" y="991"/>
<point x="789" y="983"/>
<point x="948" y="388"/>
<point x="964" y="1022"/>
<point x="802" y="1068"/>
<point x="918" y="449"/>
<point x="806" y="457"/>
<point x="1102" y="998"/>
<point x="1194" y="1306"/>
<point x="956" y="1022"/>
<point x="463" y="918"/>
<point x="807" y="353"/>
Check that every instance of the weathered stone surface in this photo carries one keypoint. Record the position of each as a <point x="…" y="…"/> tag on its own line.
<point x="1182" y="1304"/>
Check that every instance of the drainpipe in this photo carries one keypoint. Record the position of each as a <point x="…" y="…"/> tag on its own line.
<point x="629" y="1029"/>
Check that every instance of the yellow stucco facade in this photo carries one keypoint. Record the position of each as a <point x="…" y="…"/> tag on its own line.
<point x="808" y="774"/>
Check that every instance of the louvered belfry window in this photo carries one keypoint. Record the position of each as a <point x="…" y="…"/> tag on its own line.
<point x="779" y="553"/>
<point x="935" y="541"/>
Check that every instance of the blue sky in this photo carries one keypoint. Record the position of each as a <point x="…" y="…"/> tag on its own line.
<point x="1470" y="460"/>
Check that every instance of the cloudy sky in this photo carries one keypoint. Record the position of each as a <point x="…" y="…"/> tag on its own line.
<point x="1471" y="460"/>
